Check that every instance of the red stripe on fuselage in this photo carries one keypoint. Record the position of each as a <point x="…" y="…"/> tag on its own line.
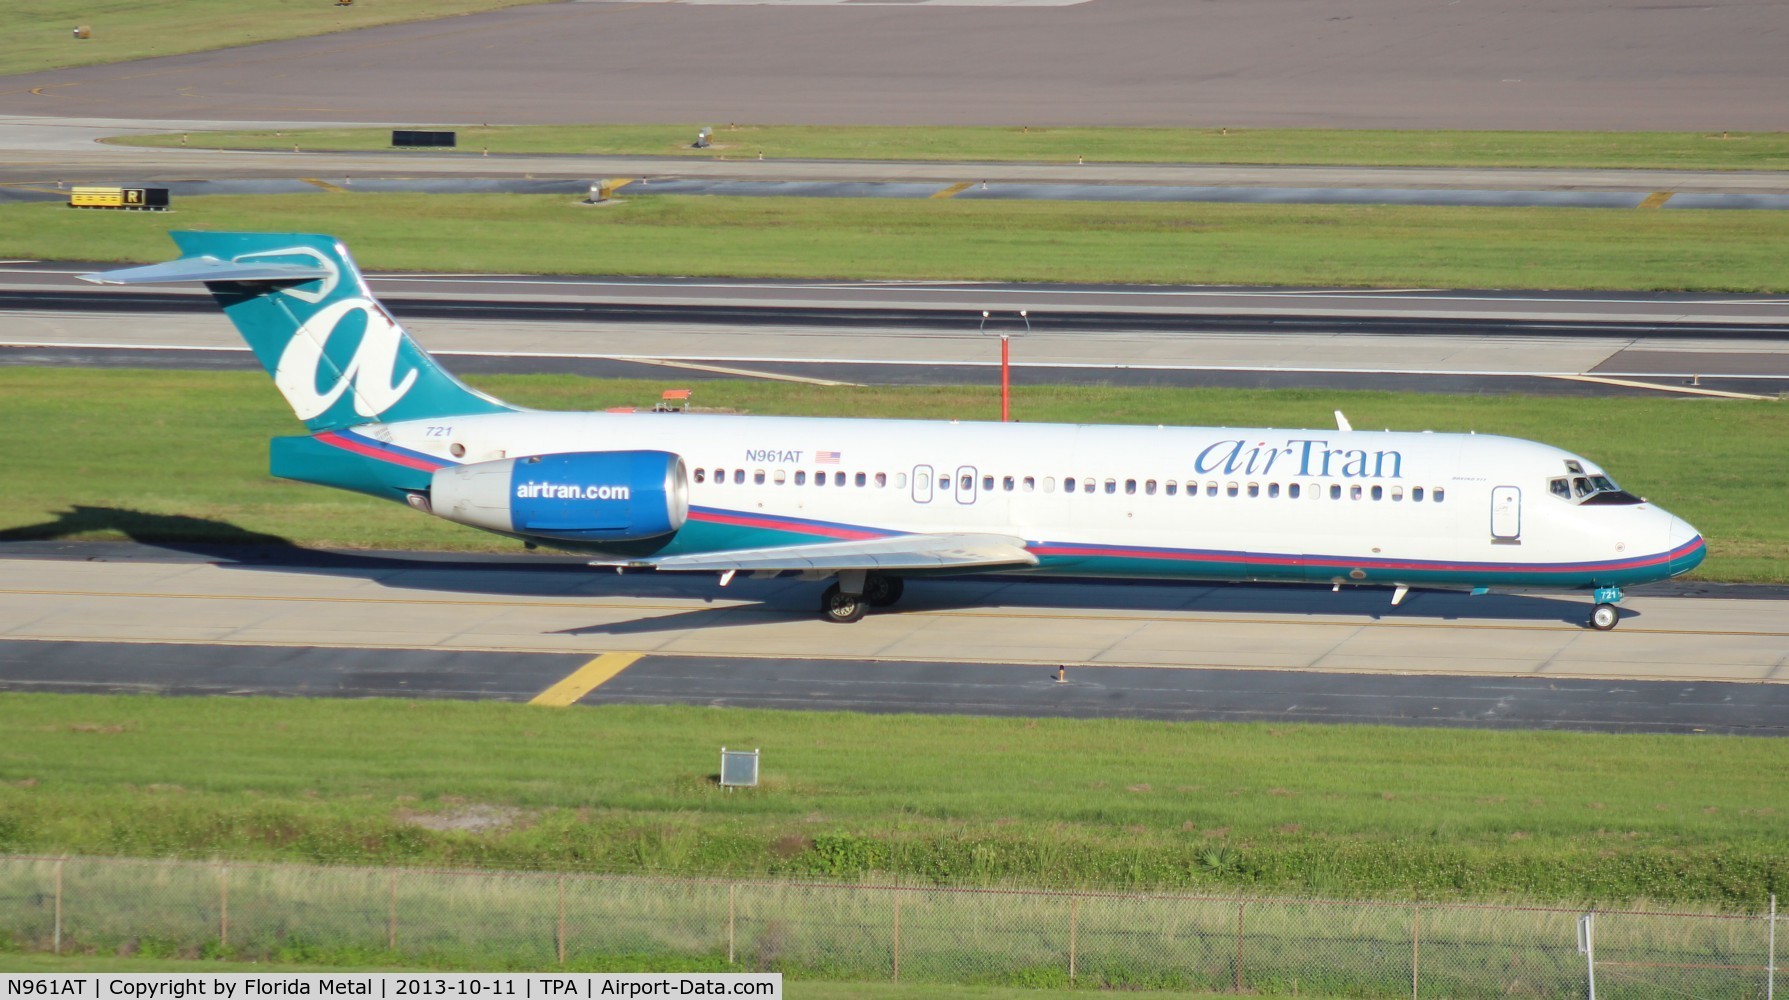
<point x="371" y="450"/>
<point x="784" y="524"/>
<point x="1636" y="562"/>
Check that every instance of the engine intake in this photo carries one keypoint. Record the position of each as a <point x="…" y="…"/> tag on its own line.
<point x="585" y="496"/>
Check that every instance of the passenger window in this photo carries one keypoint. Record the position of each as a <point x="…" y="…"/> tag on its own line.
<point x="1397" y="493"/>
<point x="1354" y="493"/>
<point x="1378" y="492"/>
<point x="1335" y="491"/>
<point x="900" y="480"/>
<point x="1170" y="487"/>
<point x="987" y="484"/>
<point x="1440" y="494"/>
<point x="1007" y="483"/>
<point x="1049" y="484"/>
<point x="1273" y="490"/>
<point x="1292" y="491"/>
<point x="862" y="479"/>
<point x="1130" y="487"/>
<point x="922" y="481"/>
<point x="881" y="480"/>
<point x="1030" y="484"/>
<point x="1211" y="489"/>
<point x="698" y="475"/>
<point x="1254" y="489"/>
<point x="1416" y="494"/>
<point x="1111" y="486"/>
<point x="1068" y="484"/>
<point x="1086" y="484"/>
<point x="819" y="479"/>
<point x="838" y="479"/>
<point x="801" y="478"/>
<point x="1230" y="489"/>
<point x="966" y="483"/>
<point x="1149" y="487"/>
<point x="758" y="477"/>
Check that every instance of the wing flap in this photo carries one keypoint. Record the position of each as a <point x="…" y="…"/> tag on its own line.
<point x="909" y="552"/>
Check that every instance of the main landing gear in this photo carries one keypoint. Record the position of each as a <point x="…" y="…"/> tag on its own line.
<point x="856" y="592"/>
<point x="1605" y="615"/>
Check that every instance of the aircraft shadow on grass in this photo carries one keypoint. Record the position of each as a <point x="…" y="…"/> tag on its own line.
<point x="773" y="601"/>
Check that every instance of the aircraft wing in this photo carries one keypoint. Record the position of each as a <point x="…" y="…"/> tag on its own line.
<point x="920" y="551"/>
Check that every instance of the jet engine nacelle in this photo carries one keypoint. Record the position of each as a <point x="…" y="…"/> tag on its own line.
<point x="587" y="496"/>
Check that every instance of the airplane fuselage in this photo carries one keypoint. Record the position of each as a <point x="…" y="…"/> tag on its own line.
<point x="1137" y="501"/>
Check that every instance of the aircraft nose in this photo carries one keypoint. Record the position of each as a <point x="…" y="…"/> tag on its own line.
<point x="1685" y="545"/>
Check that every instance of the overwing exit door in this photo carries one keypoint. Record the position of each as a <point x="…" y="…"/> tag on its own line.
<point x="966" y="484"/>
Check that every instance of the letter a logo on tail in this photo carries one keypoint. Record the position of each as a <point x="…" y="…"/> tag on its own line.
<point x="370" y="372"/>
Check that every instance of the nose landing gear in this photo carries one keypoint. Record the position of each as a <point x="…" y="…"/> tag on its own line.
<point x="1605" y="615"/>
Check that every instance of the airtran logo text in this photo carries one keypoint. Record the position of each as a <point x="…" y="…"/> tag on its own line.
<point x="1299" y="457"/>
<point x="571" y="491"/>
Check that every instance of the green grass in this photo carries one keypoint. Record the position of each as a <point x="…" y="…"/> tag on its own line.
<point x="145" y="454"/>
<point x="1339" y="810"/>
<point x="1356" y="147"/>
<point x="38" y="35"/>
<point x="967" y="240"/>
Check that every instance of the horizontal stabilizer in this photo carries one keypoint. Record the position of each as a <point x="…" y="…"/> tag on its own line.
<point x="207" y="269"/>
<point x="909" y="552"/>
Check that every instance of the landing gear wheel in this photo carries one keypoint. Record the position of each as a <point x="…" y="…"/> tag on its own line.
<point x="1604" y="617"/>
<point x="840" y="607"/>
<point x="883" y="591"/>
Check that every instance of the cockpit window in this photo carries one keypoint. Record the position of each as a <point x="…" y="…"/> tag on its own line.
<point x="1589" y="489"/>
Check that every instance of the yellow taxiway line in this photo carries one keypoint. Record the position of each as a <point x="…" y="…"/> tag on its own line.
<point x="1688" y="390"/>
<point x="585" y="679"/>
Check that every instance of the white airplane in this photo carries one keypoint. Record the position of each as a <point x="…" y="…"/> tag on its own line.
<point x="869" y="502"/>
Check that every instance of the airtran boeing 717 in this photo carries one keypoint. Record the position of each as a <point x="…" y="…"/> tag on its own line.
<point x="866" y="503"/>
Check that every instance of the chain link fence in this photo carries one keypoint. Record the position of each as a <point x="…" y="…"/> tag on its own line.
<point x="864" y="932"/>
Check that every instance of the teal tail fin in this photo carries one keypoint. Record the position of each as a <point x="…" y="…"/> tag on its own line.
<point x="334" y="352"/>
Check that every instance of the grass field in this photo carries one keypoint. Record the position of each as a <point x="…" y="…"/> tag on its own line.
<point x="966" y="240"/>
<point x="1358" y="147"/>
<point x="143" y="454"/>
<point x="1338" y="810"/>
<point x="39" y="35"/>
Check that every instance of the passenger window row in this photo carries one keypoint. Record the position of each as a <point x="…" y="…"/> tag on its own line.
<point x="1083" y="484"/>
<point x="781" y="477"/>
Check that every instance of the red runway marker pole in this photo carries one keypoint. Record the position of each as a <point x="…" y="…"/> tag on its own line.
<point x="1006" y="382"/>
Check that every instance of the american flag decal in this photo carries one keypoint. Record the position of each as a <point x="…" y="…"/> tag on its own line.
<point x="827" y="457"/>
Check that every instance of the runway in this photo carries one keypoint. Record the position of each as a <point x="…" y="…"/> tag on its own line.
<point x="1707" y="346"/>
<point x="1637" y="196"/>
<point x="1624" y="64"/>
<point x="120" y="617"/>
